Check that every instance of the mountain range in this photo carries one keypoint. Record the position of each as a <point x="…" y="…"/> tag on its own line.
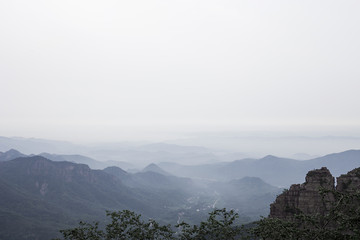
<point x="47" y="192"/>
<point x="43" y="196"/>
<point x="135" y="155"/>
<point x="277" y="171"/>
<point x="274" y="170"/>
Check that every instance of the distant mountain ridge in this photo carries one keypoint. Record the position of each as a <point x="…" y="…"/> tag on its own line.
<point x="76" y="158"/>
<point x="274" y="170"/>
<point x="36" y="145"/>
<point x="138" y="154"/>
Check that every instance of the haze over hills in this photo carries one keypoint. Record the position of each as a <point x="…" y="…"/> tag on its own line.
<point x="36" y="145"/>
<point x="170" y="108"/>
<point x="274" y="170"/>
<point x="65" y="192"/>
<point x="135" y="155"/>
<point x="53" y="195"/>
<point x="188" y="151"/>
<point x="92" y="163"/>
<point x="66" y="187"/>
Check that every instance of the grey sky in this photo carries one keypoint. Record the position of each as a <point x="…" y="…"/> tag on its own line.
<point x="80" y="69"/>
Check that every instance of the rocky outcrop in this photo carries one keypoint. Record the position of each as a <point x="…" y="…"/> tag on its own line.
<point x="349" y="182"/>
<point x="306" y="198"/>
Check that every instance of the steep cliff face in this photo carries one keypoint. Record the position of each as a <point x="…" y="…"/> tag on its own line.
<point x="305" y="198"/>
<point x="349" y="182"/>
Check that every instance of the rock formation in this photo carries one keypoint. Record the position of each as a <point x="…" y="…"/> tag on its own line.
<point x="349" y="182"/>
<point x="305" y="198"/>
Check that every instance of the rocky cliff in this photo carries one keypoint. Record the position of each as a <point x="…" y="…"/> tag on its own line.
<point x="306" y="198"/>
<point x="349" y="182"/>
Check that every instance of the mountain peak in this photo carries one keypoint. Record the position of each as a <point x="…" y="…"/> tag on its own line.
<point x="12" y="150"/>
<point x="10" y="155"/>
<point x="152" y="167"/>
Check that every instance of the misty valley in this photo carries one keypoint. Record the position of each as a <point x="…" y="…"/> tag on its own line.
<point x="47" y="192"/>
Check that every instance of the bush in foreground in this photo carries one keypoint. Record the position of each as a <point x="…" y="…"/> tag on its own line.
<point x="127" y="225"/>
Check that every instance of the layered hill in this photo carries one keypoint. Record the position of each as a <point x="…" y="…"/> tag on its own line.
<point x="44" y="196"/>
<point x="75" y="158"/>
<point x="274" y="170"/>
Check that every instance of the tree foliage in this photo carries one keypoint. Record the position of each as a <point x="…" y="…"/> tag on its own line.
<point x="219" y="225"/>
<point x="124" y="225"/>
<point x="127" y="225"/>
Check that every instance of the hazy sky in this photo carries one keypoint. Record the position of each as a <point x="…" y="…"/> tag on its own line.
<point x="83" y="69"/>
